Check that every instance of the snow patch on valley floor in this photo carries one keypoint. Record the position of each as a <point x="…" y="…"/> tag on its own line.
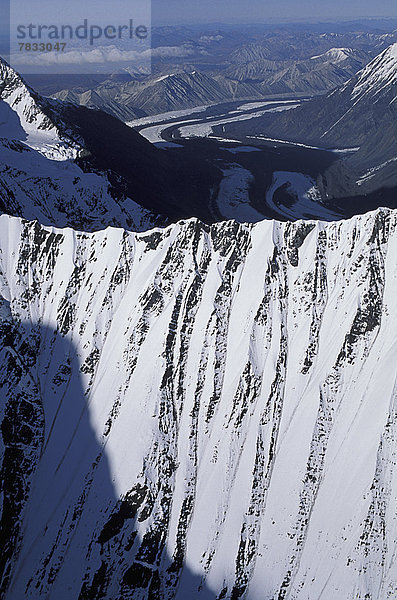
<point x="307" y="199"/>
<point x="283" y="108"/>
<point x="344" y="150"/>
<point x="228" y="140"/>
<point x="300" y="145"/>
<point x="206" y="129"/>
<point x="153" y="127"/>
<point x="373" y="171"/>
<point x="255" y="105"/>
<point x="233" y="200"/>
<point x="262" y="138"/>
<point x="154" y="134"/>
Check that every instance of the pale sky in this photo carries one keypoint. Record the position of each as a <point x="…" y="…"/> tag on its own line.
<point x="175" y="12"/>
<point x="243" y="11"/>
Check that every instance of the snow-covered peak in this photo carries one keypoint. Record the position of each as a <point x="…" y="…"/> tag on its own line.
<point x="336" y="54"/>
<point x="7" y="74"/>
<point x="393" y="50"/>
<point x="23" y="118"/>
<point x="41" y="177"/>
<point x="378" y="75"/>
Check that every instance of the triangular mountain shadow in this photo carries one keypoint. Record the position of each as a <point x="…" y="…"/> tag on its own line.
<point x="65" y="532"/>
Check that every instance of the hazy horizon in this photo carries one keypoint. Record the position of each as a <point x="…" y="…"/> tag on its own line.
<point x="178" y="12"/>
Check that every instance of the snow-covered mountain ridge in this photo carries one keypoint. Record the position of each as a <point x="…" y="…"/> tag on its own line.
<point x="379" y="75"/>
<point x="35" y="127"/>
<point x="39" y="172"/>
<point x="199" y="412"/>
<point x="68" y="165"/>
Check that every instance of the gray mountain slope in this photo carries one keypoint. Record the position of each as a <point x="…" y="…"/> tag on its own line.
<point x="249" y="78"/>
<point x="360" y="114"/>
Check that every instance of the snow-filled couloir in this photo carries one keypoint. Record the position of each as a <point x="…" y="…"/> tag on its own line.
<point x="199" y="412"/>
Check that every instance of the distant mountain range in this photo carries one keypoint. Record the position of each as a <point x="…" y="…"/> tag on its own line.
<point x="360" y="114"/>
<point x="309" y="76"/>
<point x="249" y="76"/>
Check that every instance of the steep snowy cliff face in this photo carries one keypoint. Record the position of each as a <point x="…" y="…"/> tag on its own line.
<point x="199" y="412"/>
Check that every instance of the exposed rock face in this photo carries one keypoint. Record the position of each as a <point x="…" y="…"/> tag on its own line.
<point x="155" y="95"/>
<point x="40" y="176"/>
<point x="199" y="412"/>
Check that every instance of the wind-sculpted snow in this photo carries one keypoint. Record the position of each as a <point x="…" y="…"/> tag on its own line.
<point x="199" y="412"/>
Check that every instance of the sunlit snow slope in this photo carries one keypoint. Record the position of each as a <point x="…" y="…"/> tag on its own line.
<point x="42" y="160"/>
<point x="200" y="412"/>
